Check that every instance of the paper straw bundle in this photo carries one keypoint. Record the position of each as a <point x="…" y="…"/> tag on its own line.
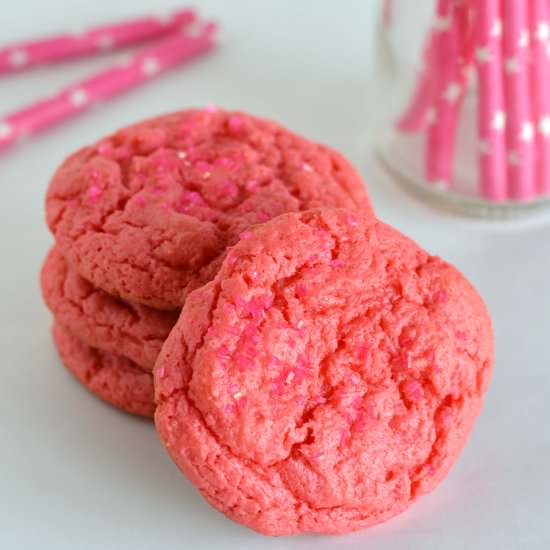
<point x="506" y="45"/>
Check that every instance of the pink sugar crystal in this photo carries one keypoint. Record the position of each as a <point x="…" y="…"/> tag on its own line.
<point x="226" y="163"/>
<point x="251" y="185"/>
<point x="191" y="154"/>
<point x="94" y="192"/>
<point x="230" y="409"/>
<point x="352" y="220"/>
<point x="252" y="334"/>
<point x="223" y="353"/>
<point x="105" y="149"/>
<point x="262" y="216"/>
<point x="317" y="457"/>
<point x="371" y="411"/>
<point x="427" y="470"/>
<point x="235" y="123"/>
<point x="192" y="197"/>
<point x="241" y="400"/>
<point x="231" y="259"/>
<point x="326" y="245"/>
<point x="203" y="168"/>
<point x="267" y="301"/>
<point x="319" y="400"/>
<point x="232" y="388"/>
<point x="140" y="199"/>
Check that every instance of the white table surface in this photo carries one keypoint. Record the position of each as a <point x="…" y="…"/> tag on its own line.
<point x="75" y="473"/>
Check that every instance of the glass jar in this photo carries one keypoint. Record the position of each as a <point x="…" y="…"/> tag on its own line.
<point x="465" y="94"/>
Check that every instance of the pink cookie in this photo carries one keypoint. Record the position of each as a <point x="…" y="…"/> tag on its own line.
<point x="147" y="213"/>
<point x="326" y="378"/>
<point x="110" y="377"/>
<point x="101" y="320"/>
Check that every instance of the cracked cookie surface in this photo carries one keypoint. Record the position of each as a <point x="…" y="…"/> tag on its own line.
<point x="101" y="320"/>
<point x="328" y="376"/>
<point x="147" y="213"/>
<point x="110" y="377"/>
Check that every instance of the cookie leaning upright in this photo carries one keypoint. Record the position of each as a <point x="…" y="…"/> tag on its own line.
<point x="147" y="213"/>
<point x="326" y="378"/>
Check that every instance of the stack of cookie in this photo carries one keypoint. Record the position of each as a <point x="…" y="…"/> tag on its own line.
<point x="313" y="368"/>
<point x="109" y="344"/>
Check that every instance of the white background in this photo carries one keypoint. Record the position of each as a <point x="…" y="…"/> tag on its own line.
<point x="75" y="473"/>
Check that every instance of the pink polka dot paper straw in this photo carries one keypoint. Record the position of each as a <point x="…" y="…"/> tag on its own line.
<point x="450" y="69"/>
<point x="166" y="54"/>
<point x="491" y="111"/>
<point x="419" y="112"/>
<point x="540" y="85"/>
<point x="416" y="116"/>
<point x="66" y="46"/>
<point x="519" y="126"/>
